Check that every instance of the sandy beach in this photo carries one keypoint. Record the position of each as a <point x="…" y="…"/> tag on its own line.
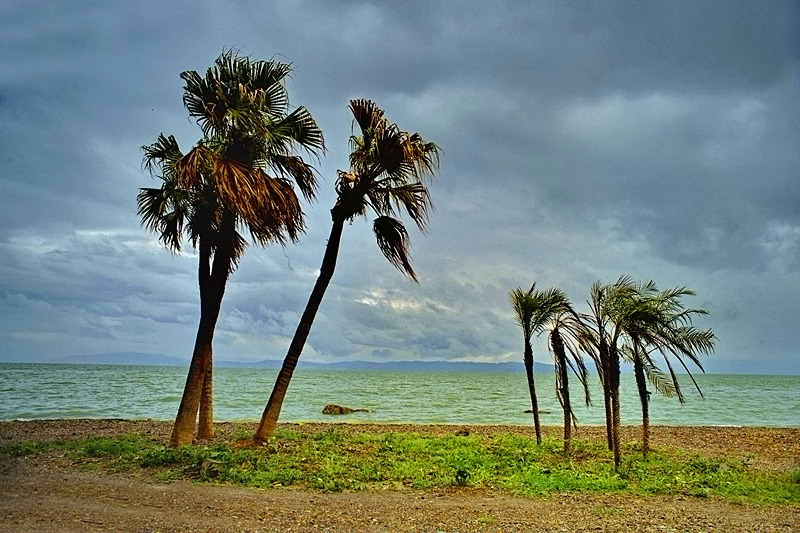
<point x="49" y="493"/>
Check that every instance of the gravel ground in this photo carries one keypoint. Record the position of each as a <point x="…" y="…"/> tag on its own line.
<point x="48" y="493"/>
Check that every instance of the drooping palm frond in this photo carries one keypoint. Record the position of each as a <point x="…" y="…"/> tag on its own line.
<point x="293" y="167"/>
<point x="663" y="383"/>
<point x="164" y="211"/>
<point x="393" y="241"/>
<point x="193" y="170"/>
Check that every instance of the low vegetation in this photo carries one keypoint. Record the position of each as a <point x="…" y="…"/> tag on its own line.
<point x="332" y="461"/>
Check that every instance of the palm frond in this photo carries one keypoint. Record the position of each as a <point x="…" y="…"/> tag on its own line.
<point x="300" y="128"/>
<point x="367" y="115"/>
<point x="163" y="211"/>
<point x="660" y="380"/>
<point x="524" y="307"/>
<point x="164" y="154"/>
<point x="413" y="198"/>
<point x="191" y="169"/>
<point x="393" y="242"/>
<point x="299" y="171"/>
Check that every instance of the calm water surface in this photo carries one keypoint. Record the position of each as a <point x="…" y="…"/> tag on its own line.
<point x="136" y="392"/>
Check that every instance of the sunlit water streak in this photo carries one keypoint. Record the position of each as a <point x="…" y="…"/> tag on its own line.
<point x="30" y="391"/>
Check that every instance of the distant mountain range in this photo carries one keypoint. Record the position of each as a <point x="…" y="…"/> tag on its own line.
<point x="136" y="358"/>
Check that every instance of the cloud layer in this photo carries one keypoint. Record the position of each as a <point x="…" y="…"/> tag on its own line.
<point x="581" y="142"/>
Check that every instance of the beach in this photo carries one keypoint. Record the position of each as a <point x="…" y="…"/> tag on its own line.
<point x="49" y="492"/>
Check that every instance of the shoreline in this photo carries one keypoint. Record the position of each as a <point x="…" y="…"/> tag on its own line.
<point x="342" y="420"/>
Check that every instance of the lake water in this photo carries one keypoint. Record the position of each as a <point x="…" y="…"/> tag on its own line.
<point x="29" y="391"/>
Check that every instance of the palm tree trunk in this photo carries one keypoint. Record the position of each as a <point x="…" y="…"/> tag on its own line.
<point x="205" y="424"/>
<point x="185" y="420"/>
<point x="615" y="415"/>
<point x="605" y="364"/>
<point x="212" y="280"/>
<point x="528" y="359"/>
<point x="269" y="419"/>
<point x="644" y="398"/>
<point x="563" y="384"/>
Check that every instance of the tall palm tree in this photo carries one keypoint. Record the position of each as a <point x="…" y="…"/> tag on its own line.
<point x="597" y="321"/>
<point x="527" y="307"/>
<point x="388" y="167"/>
<point x="611" y="314"/>
<point x="239" y="175"/>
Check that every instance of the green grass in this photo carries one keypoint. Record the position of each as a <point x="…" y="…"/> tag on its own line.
<point x="331" y="461"/>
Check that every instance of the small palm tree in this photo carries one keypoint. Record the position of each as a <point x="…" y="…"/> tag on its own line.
<point x="667" y="330"/>
<point x="237" y="176"/>
<point x="527" y="307"/>
<point x="567" y="338"/>
<point x="632" y="320"/>
<point x="388" y="167"/>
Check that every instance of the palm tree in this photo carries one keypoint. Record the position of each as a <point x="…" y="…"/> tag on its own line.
<point x="597" y="322"/>
<point x="387" y="169"/>
<point x="237" y="176"/>
<point x="567" y="338"/>
<point x="528" y="315"/>
<point x="611" y="314"/>
<point x="632" y="320"/>
<point x="667" y="330"/>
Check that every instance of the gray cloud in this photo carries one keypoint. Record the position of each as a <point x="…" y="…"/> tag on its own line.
<point x="581" y="141"/>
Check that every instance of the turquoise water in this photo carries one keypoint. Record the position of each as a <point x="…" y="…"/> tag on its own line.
<point x="30" y="391"/>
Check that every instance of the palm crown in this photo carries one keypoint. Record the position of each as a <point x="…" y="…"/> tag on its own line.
<point x="388" y="167"/>
<point x="242" y="166"/>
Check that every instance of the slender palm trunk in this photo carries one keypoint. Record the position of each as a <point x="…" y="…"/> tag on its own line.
<point x="212" y="280"/>
<point x="615" y="414"/>
<point x="528" y="359"/>
<point x="563" y="385"/>
<point x="644" y="398"/>
<point x="605" y="365"/>
<point x="269" y="419"/>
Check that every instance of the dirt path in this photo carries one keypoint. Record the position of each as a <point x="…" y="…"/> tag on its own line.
<point x="48" y="494"/>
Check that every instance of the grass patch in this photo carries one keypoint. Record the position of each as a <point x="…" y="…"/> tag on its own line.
<point x="332" y="461"/>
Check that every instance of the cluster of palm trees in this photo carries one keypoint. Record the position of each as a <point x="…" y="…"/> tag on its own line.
<point x="241" y="176"/>
<point x="627" y="321"/>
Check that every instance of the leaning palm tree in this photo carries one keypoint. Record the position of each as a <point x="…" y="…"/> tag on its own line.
<point x="239" y="175"/>
<point x="567" y="338"/>
<point x="666" y="329"/>
<point x="388" y="167"/>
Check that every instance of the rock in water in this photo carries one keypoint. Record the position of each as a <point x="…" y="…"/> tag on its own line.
<point x="335" y="409"/>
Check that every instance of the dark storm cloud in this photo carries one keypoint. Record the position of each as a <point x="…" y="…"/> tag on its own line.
<point x="581" y="141"/>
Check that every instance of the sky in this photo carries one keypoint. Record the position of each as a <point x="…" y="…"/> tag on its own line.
<point x="581" y="141"/>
